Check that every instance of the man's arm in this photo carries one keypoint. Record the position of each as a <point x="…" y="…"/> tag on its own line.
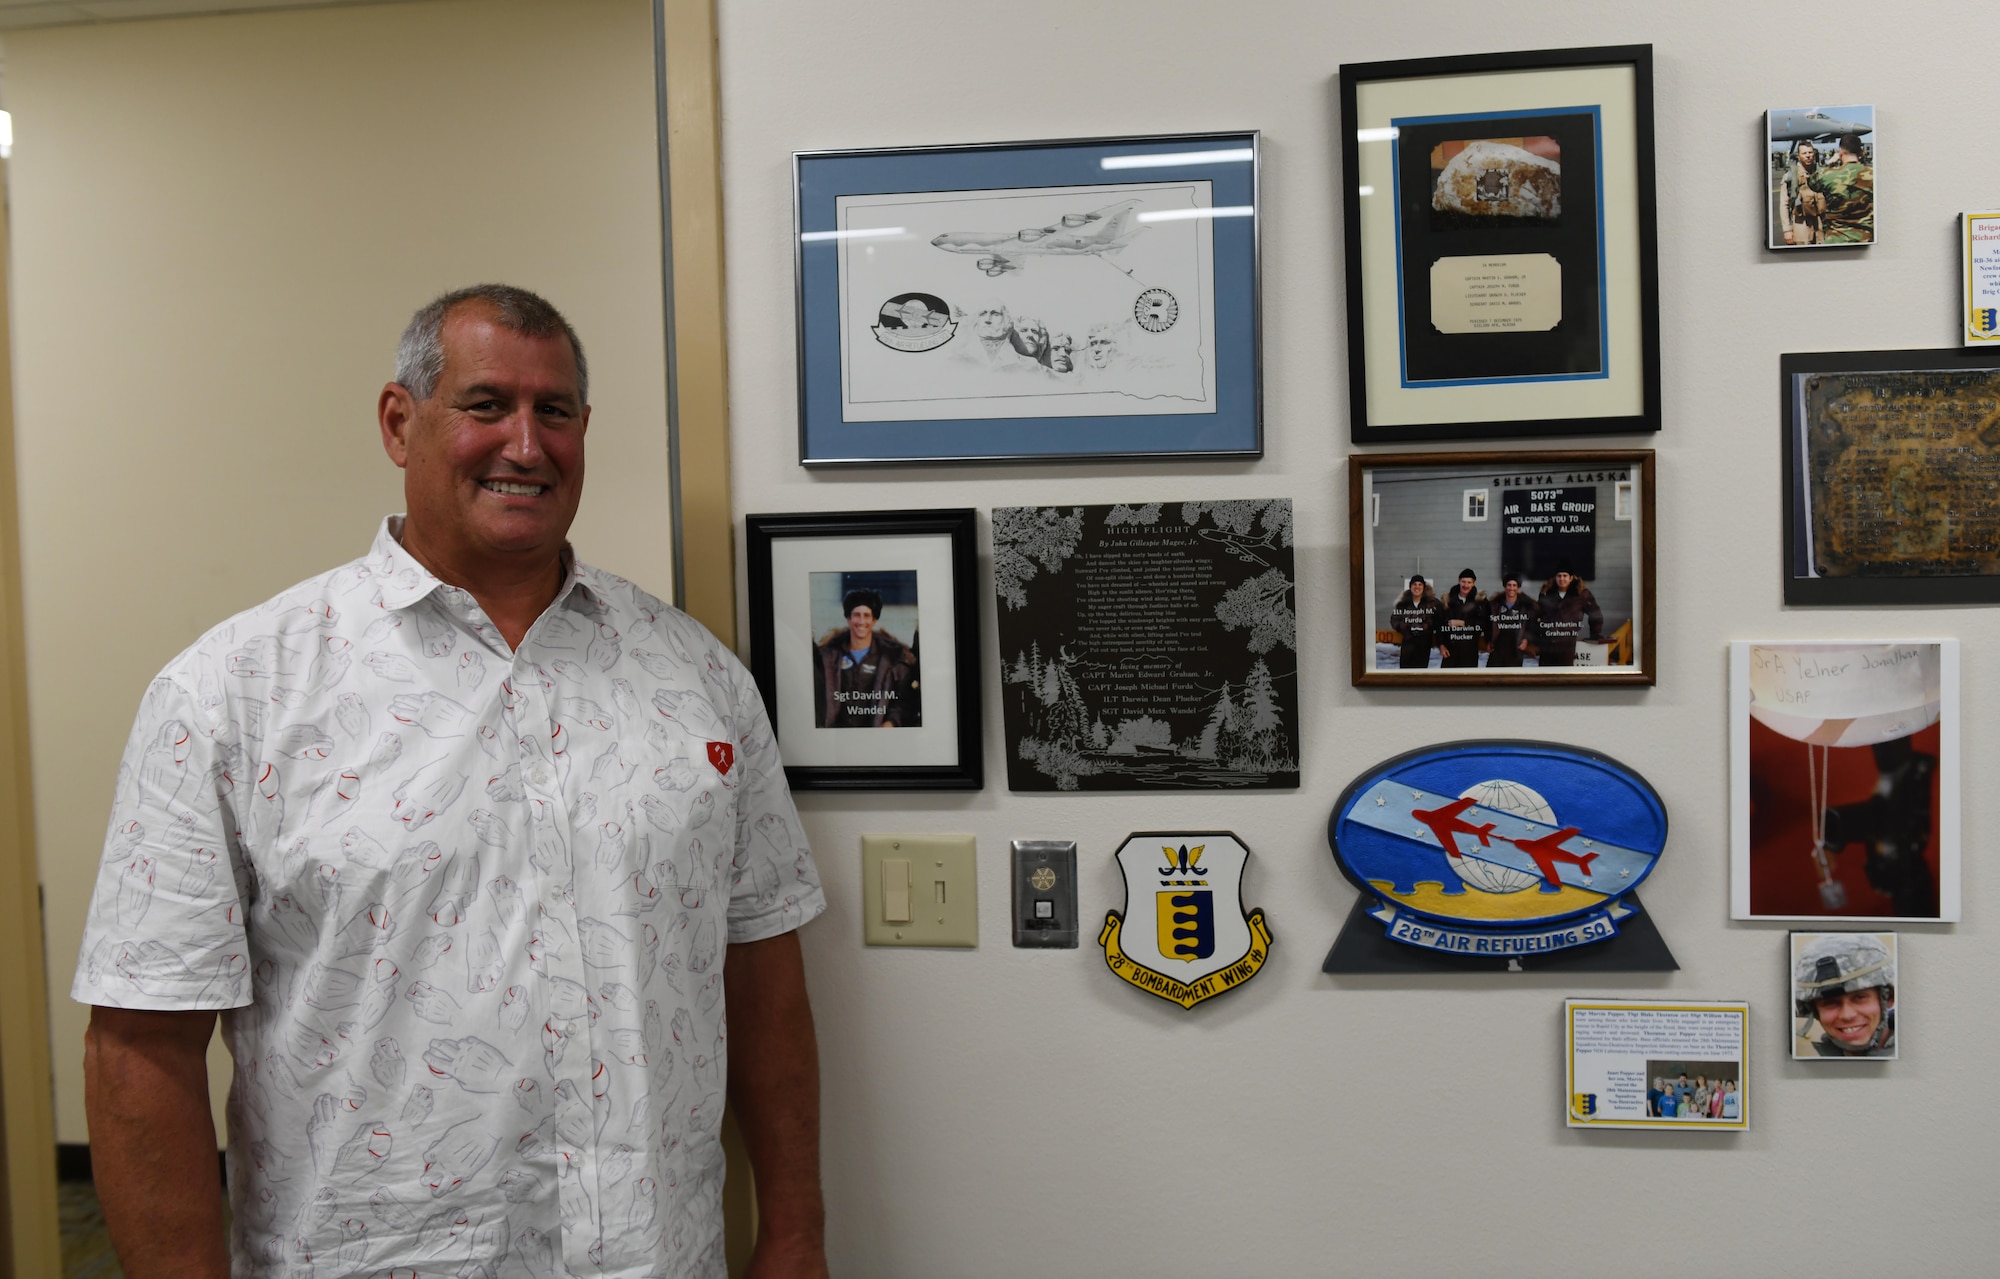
<point x="774" y="1088"/>
<point x="152" y="1142"/>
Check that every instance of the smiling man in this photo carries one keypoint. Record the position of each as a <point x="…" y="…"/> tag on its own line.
<point x="469" y="844"/>
<point x="1844" y="988"/>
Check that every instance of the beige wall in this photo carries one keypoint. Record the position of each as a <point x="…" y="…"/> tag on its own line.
<point x="220" y="225"/>
<point x="1001" y="1111"/>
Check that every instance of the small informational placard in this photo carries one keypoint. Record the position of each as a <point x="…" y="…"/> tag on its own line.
<point x="1636" y="1063"/>
<point x="1485" y="294"/>
<point x="1982" y="276"/>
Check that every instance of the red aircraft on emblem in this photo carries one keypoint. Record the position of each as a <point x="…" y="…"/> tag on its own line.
<point x="1445" y="824"/>
<point x="1548" y="850"/>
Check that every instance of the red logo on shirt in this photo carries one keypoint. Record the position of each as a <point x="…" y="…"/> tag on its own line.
<point x="722" y="755"/>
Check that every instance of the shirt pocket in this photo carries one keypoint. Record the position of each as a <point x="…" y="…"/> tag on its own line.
<point x="687" y="816"/>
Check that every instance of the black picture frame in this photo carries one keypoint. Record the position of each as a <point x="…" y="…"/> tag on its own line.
<point x="1805" y="581"/>
<point x="939" y="549"/>
<point x="1519" y="379"/>
<point x="1182" y="262"/>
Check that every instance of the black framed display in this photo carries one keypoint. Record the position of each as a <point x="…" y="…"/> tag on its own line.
<point x="869" y="620"/>
<point x="1501" y="568"/>
<point x="1148" y="646"/>
<point x="1502" y="272"/>
<point x="1891" y="463"/>
<point x="1088" y="298"/>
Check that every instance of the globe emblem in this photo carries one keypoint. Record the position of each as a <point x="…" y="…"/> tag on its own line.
<point x="1502" y="796"/>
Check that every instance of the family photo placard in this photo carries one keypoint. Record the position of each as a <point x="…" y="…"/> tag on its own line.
<point x="1148" y="646"/>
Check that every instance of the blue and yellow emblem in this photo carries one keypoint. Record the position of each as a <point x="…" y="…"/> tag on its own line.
<point x="1502" y="849"/>
<point x="1202" y="941"/>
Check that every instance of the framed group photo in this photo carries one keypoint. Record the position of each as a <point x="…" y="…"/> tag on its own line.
<point x="864" y="641"/>
<point x="1088" y="298"/>
<point x="1890" y="459"/>
<point x="1502" y="269"/>
<point x="1501" y="568"/>
<point x="1844" y="779"/>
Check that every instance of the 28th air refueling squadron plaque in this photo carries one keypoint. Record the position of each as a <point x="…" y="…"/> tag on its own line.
<point x="1501" y="855"/>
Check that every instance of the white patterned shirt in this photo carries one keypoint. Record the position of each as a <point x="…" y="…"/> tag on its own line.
<point x="467" y="907"/>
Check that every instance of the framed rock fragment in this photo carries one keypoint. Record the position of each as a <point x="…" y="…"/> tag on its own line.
<point x="1502" y="276"/>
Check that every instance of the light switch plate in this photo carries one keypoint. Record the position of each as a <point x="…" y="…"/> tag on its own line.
<point x="1044" y="882"/>
<point x="942" y="891"/>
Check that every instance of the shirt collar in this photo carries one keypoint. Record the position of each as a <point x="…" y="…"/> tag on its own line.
<point x="404" y="582"/>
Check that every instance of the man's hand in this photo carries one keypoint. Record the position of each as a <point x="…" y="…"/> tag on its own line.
<point x="774" y="1087"/>
<point x="152" y="1143"/>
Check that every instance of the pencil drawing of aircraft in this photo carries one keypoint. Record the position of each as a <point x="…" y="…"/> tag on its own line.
<point x="1106" y="230"/>
<point x="1446" y="824"/>
<point x="1548" y="851"/>
<point x="1808" y="126"/>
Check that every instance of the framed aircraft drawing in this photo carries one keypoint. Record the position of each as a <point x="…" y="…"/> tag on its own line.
<point x="1016" y="301"/>
<point x="1502" y="273"/>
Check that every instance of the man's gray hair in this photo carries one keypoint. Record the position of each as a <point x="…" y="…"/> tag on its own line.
<point x="420" y="353"/>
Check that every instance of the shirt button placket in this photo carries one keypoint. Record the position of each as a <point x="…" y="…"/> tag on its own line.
<point x="577" y="1172"/>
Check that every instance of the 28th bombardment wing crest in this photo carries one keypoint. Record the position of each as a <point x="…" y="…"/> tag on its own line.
<point x="1498" y="849"/>
<point x="1184" y="934"/>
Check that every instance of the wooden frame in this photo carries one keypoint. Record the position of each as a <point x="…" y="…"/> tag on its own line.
<point x="1544" y="527"/>
<point x="794" y="559"/>
<point x="1527" y="306"/>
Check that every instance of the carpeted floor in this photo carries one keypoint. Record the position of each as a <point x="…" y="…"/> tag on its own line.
<point x="86" y="1246"/>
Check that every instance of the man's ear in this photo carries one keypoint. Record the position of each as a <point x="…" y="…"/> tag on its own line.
<point x="396" y="411"/>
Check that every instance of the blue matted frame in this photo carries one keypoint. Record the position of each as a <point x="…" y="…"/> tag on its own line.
<point x="1234" y="430"/>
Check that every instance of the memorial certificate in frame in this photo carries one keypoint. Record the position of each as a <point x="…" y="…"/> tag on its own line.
<point x="1501" y="267"/>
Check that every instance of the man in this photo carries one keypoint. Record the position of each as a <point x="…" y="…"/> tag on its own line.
<point x="863" y="676"/>
<point x="1844" y="995"/>
<point x="1799" y="207"/>
<point x="1464" y="621"/>
<point x="992" y="346"/>
<point x="461" y="838"/>
<point x="1416" y="617"/>
<point x="1562" y="611"/>
<point x="1510" y="624"/>
<point x="1847" y="190"/>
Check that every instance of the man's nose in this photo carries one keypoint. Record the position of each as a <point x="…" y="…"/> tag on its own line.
<point x="524" y="438"/>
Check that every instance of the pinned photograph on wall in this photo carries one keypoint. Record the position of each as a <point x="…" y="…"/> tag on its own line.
<point x="1501" y="568"/>
<point x="1843" y="996"/>
<point x="1821" y="172"/>
<point x="1844" y="791"/>
<point x="1184" y="934"/>
<point x="1093" y="297"/>
<point x="1666" y="1065"/>
<point x="869" y="620"/>
<point x="1498" y="855"/>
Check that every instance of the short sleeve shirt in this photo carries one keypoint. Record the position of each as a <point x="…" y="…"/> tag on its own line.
<point x="466" y="908"/>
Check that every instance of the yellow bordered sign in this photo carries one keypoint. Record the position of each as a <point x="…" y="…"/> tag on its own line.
<point x="1188" y="886"/>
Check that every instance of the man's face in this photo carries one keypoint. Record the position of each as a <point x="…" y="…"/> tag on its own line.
<point x="1101" y="350"/>
<point x="493" y="460"/>
<point x="1563" y="580"/>
<point x="1851" y="1019"/>
<point x="1465" y="586"/>
<point x="860" y="626"/>
<point x="1031" y="331"/>
<point x="1060" y="347"/>
<point x="1512" y="592"/>
<point x="992" y="321"/>
<point x="1808" y="154"/>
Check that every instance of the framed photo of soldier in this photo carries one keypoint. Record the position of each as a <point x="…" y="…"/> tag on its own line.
<point x="1821" y="168"/>
<point x="1890" y="467"/>
<point x="1501" y="568"/>
<point x="864" y="641"/>
<point x="1502" y="266"/>
<point x="1844" y="988"/>
<point x="1087" y="298"/>
<point x="1844" y="779"/>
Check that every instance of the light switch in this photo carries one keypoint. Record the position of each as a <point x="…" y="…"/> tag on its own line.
<point x="896" y="890"/>
<point x="919" y="890"/>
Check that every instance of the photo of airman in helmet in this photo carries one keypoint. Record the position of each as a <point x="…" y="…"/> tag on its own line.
<point x="1843" y="995"/>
